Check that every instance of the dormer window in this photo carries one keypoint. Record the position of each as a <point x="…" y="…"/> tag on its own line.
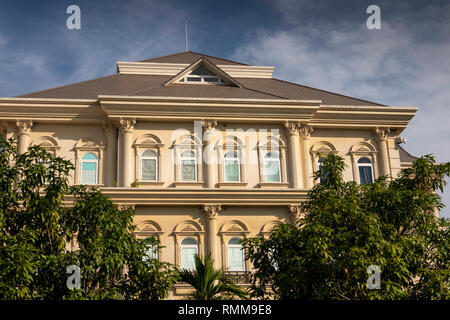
<point x="201" y="75"/>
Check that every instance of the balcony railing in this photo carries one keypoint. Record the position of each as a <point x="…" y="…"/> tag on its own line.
<point x="239" y="277"/>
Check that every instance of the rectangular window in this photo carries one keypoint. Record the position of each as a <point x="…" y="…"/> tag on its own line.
<point x="272" y="171"/>
<point x="232" y="171"/>
<point x="365" y="175"/>
<point x="148" y="169"/>
<point x="188" y="170"/>
<point x="187" y="258"/>
<point x="152" y="252"/>
<point x="89" y="173"/>
<point x="236" y="259"/>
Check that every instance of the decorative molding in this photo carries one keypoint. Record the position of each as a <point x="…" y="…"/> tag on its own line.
<point x="296" y="213"/>
<point x="125" y="206"/>
<point x="212" y="211"/>
<point x="270" y="185"/>
<point x="178" y="184"/>
<point x="148" y="227"/>
<point x="109" y="128"/>
<point x="382" y="133"/>
<point x="305" y="131"/>
<point x="24" y="126"/>
<point x="292" y="127"/>
<point x="209" y="124"/>
<point x="127" y="125"/>
<point x="267" y="228"/>
<point x="231" y="184"/>
<point x="233" y="227"/>
<point x="159" y="68"/>
<point x="3" y="125"/>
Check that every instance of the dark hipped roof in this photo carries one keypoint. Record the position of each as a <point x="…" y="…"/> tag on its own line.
<point x="153" y="85"/>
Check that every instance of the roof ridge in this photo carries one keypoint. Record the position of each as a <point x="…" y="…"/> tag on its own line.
<point x="141" y="89"/>
<point x="198" y="53"/>
<point x="331" y="92"/>
<point x="264" y="92"/>
<point x="219" y="72"/>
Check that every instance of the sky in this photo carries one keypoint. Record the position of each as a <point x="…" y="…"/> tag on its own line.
<point x="320" y="43"/>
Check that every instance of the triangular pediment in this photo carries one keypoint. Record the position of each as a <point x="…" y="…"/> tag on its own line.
<point x="203" y="72"/>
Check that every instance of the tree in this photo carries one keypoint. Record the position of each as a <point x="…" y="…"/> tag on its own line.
<point x="36" y="225"/>
<point x="209" y="283"/>
<point x="347" y="228"/>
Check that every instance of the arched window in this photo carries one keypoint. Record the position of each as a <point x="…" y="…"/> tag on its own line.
<point x="236" y="261"/>
<point x="189" y="249"/>
<point x="319" y="164"/>
<point x="272" y="167"/>
<point x="365" y="170"/>
<point x="232" y="167"/>
<point x="152" y="252"/>
<point x="188" y="166"/>
<point x="149" y="166"/>
<point x="89" y="169"/>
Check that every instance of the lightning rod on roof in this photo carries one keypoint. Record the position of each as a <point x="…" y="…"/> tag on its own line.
<point x="186" y="29"/>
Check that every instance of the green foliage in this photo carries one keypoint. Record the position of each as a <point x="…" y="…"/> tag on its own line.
<point x="209" y="283"/>
<point x="36" y="226"/>
<point x="348" y="227"/>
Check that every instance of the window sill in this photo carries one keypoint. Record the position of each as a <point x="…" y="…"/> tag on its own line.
<point x="90" y="185"/>
<point x="178" y="184"/>
<point x="231" y="184"/>
<point x="268" y="185"/>
<point x="150" y="183"/>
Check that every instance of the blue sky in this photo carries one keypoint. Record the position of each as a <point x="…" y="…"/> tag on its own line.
<point x="320" y="43"/>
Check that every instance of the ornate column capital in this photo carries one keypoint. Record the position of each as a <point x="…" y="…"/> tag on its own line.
<point x="296" y="213"/>
<point x="3" y="124"/>
<point x="382" y="133"/>
<point x="127" y="125"/>
<point x="109" y="128"/>
<point x="305" y="131"/>
<point x="209" y="124"/>
<point x="212" y="211"/>
<point x="292" y="127"/>
<point x="24" y="126"/>
<point x="125" y="206"/>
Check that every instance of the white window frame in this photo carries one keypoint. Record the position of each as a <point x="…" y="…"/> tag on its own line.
<point x="228" y="254"/>
<point x="277" y="159"/>
<point x="190" y="158"/>
<point x="89" y="161"/>
<point x="184" y="79"/>
<point x="187" y="246"/>
<point x="358" y="165"/>
<point x="236" y="157"/>
<point x="156" y="158"/>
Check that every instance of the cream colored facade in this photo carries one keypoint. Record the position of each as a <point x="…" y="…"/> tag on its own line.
<point x="119" y="128"/>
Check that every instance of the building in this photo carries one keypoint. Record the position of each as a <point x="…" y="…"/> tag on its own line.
<point x="208" y="151"/>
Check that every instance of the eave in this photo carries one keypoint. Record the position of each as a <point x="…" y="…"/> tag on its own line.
<point x="115" y="107"/>
<point x="50" y="110"/>
<point x="187" y="108"/>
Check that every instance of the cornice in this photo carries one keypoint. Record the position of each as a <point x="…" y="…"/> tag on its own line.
<point x="158" y="68"/>
<point x="51" y="110"/>
<point x="265" y="110"/>
<point x="181" y="197"/>
<point x="113" y="107"/>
